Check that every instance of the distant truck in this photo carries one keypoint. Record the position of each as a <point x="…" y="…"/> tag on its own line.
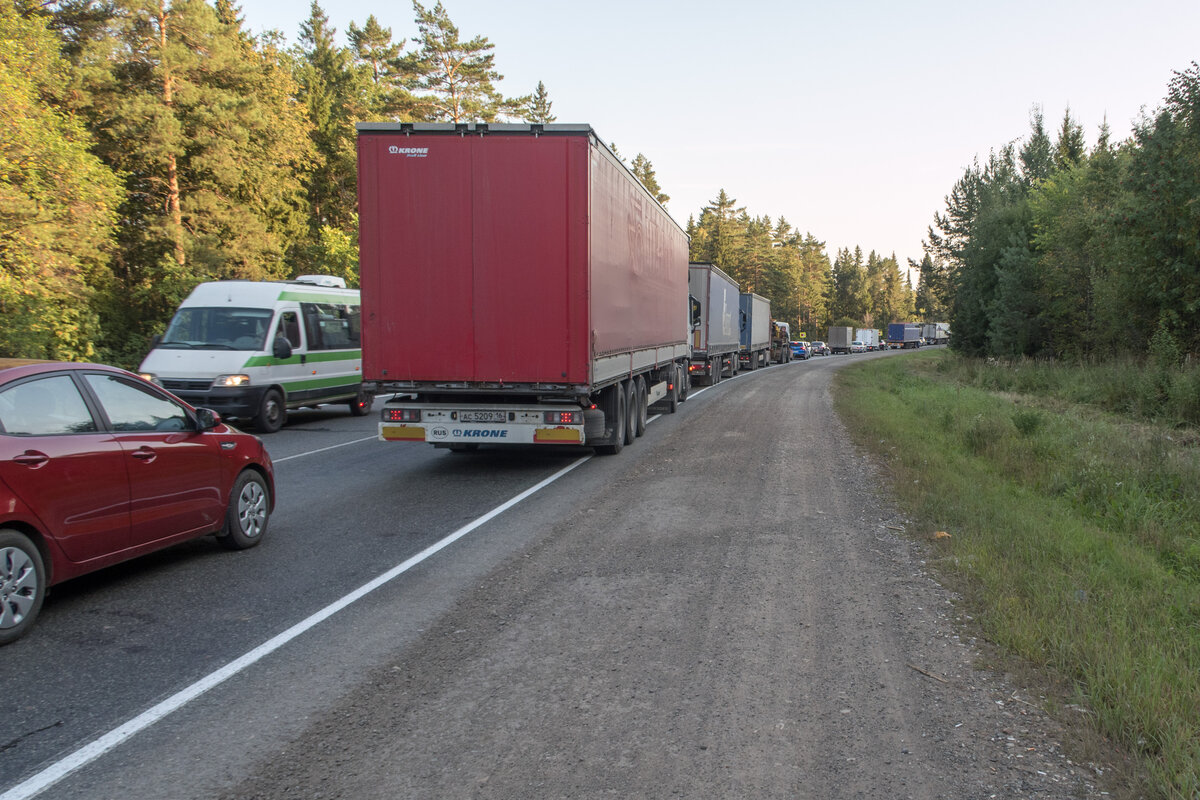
<point x="519" y="286"/>
<point x="755" y="340"/>
<point x="839" y="339"/>
<point x="904" y="335"/>
<point x="781" y="342"/>
<point x="936" y="332"/>
<point x="716" y="337"/>
<point x="869" y="337"/>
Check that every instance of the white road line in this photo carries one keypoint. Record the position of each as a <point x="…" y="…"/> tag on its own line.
<point x="90" y="752"/>
<point x="323" y="449"/>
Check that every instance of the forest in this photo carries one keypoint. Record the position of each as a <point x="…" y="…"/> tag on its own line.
<point x="1049" y="249"/>
<point x="150" y="145"/>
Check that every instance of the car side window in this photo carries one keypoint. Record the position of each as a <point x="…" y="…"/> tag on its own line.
<point x="137" y="408"/>
<point x="44" y="407"/>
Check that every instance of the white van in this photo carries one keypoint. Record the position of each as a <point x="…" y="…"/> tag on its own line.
<point x="253" y="349"/>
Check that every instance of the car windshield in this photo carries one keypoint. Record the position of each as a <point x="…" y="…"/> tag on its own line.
<point x="205" y="328"/>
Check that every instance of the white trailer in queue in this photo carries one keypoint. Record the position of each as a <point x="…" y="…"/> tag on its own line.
<point x="715" y="328"/>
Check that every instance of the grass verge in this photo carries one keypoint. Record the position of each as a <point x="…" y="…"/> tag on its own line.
<point x="1074" y="537"/>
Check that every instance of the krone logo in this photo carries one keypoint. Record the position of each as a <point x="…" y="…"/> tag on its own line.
<point x="408" y="152"/>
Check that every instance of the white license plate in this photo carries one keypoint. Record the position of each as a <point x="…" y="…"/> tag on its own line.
<point x="482" y="416"/>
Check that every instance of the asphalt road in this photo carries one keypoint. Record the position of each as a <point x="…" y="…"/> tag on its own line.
<point x="723" y="609"/>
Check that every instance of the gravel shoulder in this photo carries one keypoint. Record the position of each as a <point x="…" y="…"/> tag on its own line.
<point x="738" y="612"/>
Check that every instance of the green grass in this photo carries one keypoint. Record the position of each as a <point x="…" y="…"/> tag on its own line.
<point x="1075" y="531"/>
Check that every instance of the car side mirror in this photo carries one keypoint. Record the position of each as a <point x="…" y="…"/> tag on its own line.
<point x="281" y="348"/>
<point x="207" y="418"/>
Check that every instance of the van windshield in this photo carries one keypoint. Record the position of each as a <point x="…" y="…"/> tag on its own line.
<point x="223" y="328"/>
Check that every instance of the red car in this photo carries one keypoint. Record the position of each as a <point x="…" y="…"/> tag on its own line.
<point x="98" y="466"/>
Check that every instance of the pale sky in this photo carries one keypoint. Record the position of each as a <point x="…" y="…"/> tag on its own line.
<point x="850" y="119"/>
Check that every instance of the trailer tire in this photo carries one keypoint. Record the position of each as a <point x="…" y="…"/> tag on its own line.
<point x="643" y="411"/>
<point x="631" y="411"/>
<point x="676" y="384"/>
<point x="717" y="368"/>
<point x="614" y="404"/>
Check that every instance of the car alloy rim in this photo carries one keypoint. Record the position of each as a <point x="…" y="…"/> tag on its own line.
<point x="18" y="586"/>
<point x="252" y="509"/>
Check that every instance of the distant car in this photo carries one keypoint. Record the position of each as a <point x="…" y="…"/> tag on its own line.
<point x="857" y="347"/>
<point x="820" y="349"/>
<point x="98" y="466"/>
<point x="801" y="350"/>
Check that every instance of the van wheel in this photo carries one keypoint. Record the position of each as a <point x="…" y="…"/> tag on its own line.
<point x="360" y="406"/>
<point x="22" y="584"/>
<point x="272" y="413"/>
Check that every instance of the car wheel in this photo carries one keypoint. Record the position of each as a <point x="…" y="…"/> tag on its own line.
<point x="248" y="513"/>
<point x="360" y="406"/>
<point x="22" y="584"/>
<point x="272" y="413"/>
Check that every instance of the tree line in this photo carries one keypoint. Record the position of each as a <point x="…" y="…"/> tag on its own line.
<point x="1049" y="248"/>
<point x="149" y="145"/>
<point x="793" y="270"/>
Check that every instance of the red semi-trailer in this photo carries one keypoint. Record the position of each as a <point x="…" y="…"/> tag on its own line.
<point x="519" y="286"/>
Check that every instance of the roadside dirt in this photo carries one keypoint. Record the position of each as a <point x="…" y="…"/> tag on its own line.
<point x="739" y="613"/>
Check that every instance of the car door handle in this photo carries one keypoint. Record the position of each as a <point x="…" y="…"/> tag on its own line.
<point x="144" y="454"/>
<point x="32" y="458"/>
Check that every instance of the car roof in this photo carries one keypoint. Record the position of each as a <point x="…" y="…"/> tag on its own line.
<point x="15" y="368"/>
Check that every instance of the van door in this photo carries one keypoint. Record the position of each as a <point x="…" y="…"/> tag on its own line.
<point x="334" y="335"/>
<point x="291" y="373"/>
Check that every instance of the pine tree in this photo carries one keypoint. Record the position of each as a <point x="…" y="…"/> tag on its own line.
<point x="458" y="77"/>
<point x="719" y="238"/>
<point x="538" y="110"/>
<point x="335" y="97"/>
<point x="1070" y="149"/>
<point x="644" y="170"/>
<point x="389" y="77"/>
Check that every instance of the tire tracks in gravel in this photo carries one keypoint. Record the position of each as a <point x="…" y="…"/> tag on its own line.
<point x="729" y="616"/>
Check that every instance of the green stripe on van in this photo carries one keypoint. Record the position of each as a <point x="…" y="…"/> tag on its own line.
<point x="320" y="383"/>
<point x="317" y="297"/>
<point x="317" y="356"/>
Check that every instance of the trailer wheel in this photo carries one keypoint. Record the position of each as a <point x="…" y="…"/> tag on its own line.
<point x="684" y="385"/>
<point x="643" y="412"/>
<point x="717" y="368"/>
<point x="614" y="413"/>
<point x="631" y="411"/>
<point x="673" y="396"/>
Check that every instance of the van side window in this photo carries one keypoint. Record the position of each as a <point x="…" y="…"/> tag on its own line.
<point x="289" y="328"/>
<point x="332" y="326"/>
